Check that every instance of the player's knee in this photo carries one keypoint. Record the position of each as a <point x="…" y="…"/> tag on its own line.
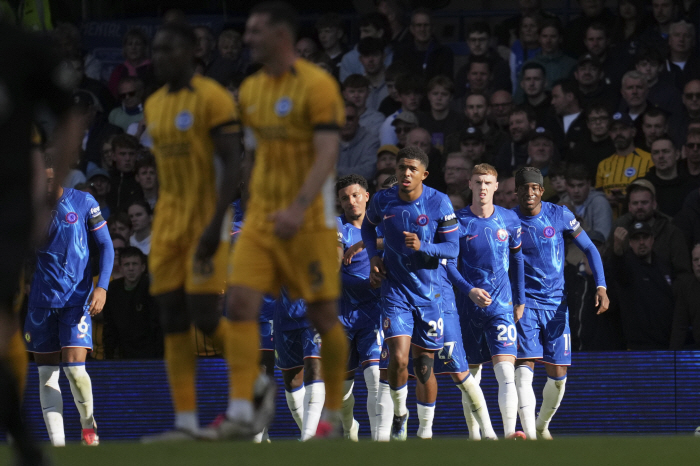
<point x="423" y="367"/>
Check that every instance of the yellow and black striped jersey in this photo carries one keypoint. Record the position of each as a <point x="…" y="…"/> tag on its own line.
<point x="616" y="172"/>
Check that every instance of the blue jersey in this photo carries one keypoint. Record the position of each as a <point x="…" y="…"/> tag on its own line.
<point x="543" y="247"/>
<point x="63" y="276"/>
<point x="288" y="314"/>
<point x="359" y="303"/>
<point x="484" y="255"/>
<point x="449" y="302"/>
<point x="413" y="276"/>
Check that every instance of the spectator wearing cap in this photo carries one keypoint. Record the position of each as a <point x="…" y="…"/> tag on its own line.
<point x="591" y="82"/>
<point x="513" y="153"/>
<point x="409" y="90"/>
<point x="371" y="51"/>
<point x="479" y="42"/>
<point x="592" y="11"/>
<point x="98" y="129"/>
<point x="331" y="37"/>
<point x="682" y="64"/>
<point x="476" y="110"/>
<point x="556" y="63"/>
<point x="386" y="157"/>
<point x="627" y="164"/>
<point x="441" y="120"/>
<point x="472" y="145"/>
<point x="125" y="189"/>
<point x="654" y="125"/>
<point x="672" y="186"/>
<point x="420" y="137"/>
<point x="540" y="151"/>
<point x="99" y="181"/>
<point x="643" y="284"/>
<point x="566" y="100"/>
<point x="669" y="244"/>
<point x="356" y="91"/>
<point x="663" y="92"/>
<point x="424" y="54"/>
<point x="131" y="99"/>
<point x="685" y="333"/>
<point x="403" y="124"/>
<point x="589" y="205"/>
<point x="598" y="146"/>
<point x="358" y="145"/>
<point x="373" y="25"/>
<point x="147" y="178"/>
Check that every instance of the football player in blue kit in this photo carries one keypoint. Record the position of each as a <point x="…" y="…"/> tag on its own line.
<point x="489" y="244"/>
<point x="419" y="228"/>
<point x="543" y="331"/>
<point x="62" y="301"/>
<point x="360" y="307"/>
<point x="297" y="355"/>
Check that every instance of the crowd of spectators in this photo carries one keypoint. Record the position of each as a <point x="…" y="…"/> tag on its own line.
<point x="607" y="106"/>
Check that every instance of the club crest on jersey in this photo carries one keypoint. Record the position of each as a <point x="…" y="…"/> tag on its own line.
<point x="387" y="323"/>
<point x="422" y="220"/>
<point x="283" y="106"/>
<point x="71" y="217"/>
<point x="384" y="354"/>
<point x="502" y="235"/>
<point x="549" y="232"/>
<point x="184" y="120"/>
<point x="630" y="172"/>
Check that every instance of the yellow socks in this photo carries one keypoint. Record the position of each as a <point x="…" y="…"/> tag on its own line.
<point x="242" y="351"/>
<point x="181" y="365"/>
<point x="334" y="361"/>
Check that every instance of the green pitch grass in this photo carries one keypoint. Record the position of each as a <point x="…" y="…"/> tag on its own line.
<point x="571" y="451"/>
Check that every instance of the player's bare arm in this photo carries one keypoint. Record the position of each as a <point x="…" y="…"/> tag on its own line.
<point x="518" y="311"/>
<point x="289" y="220"/>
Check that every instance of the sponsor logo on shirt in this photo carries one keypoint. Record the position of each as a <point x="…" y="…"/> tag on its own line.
<point x="95" y="212"/>
<point x="71" y="217"/>
<point x="574" y="224"/>
<point x="549" y="232"/>
<point x="449" y="217"/>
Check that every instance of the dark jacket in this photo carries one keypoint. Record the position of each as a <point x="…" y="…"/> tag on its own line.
<point x="125" y="190"/>
<point x="98" y="133"/>
<point x="131" y="322"/>
<point x="436" y="60"/>
<point x="500" y="72"/>
<point x="670" y="194"/>
<point x="686" y="319"/>
<point x="509" y="156"/>
<point x="591" y="153"/>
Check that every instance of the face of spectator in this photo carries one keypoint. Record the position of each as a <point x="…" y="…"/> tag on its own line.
<point x="372" y="63"/>
<point x="439" y="98"/>
<point x="653" y="127"/>
<point x="118" y="228"/>
<point x="598" y="122"/>
<point x="147" y="177"/>
<point x="664" y="155"/>
<point x="385" y="160"/>
<point x="592" y="8"/>
<point x="457" y="171"/>
<point x="134" y="49"/>
<point x="132" y="269"/>
<point x="587" y="74"/>
<point x="634" y="92"/>
<point x="532" y="83"/>
<point x="370" y="31"/>
<point x="124" y="159"/>
<point x="663" y="11"/>
<point x="353" y="200"/>
<point x="596" y="42"/>
<point x="107" y="154"/>
<point x="691" y="149"/>
<point x="457" y="201"/>
<point x="352" y="123"/>
<point x="356" y="95"/>
<point x="472" y="149"/>
<point x="649" y="69"/>
<point x="501" y="106"/>
<point x="421" y="138"/>
<point x="306" y="48"/>
<point x="230" y="48"/>
<point x="478" y="77"/>
<point x="561" y="101"/>
<point x="627" y="10"/>
<point x="540" y="151"/>
<point x="505" y="195"/>
<point x="329" y="37"/>
<point x="205" y="43"/>
<point x="379" y="181"/>
<point x="528" y="31"/>
<point x="696" y="261"/>
<point x="478" y="43"/>
<point x="558" y="183"/>
<point x="680" y="40"/>
<point x="691" y="97"/>
<point x="519" y="126"/>
<point x="118" y="246"/>
<point x="549" y="40"/>
<point x="101" y="185"/>
<point x="578" y="190"/>
<point x="402" y="129"/>
<point x="420" y="28"/>
<point x="641" y="205"/>
<point x="641" y="245"/>
<point x="51" y="186"/>
<point x="622" y="136"/>
<point x="130" y="94"/>
<point x="391" y="89"/>
<point x="475" y="109"/>
<point x="140" y="220"/>
<point x="410" y="101"/>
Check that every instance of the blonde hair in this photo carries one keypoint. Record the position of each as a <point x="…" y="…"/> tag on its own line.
<point x="484" y="169"/>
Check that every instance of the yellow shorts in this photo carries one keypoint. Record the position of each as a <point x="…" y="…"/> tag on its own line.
<point x="171" y="264"/>
<point x="307" y="265"/>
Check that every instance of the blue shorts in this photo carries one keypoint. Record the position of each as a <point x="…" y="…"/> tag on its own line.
<point x="267" y="337"/>
<point x="47" y="330"/>
<point x="451" y="359"/>
<point x="365" y="346"/>
<point x="423" y="324"/>
<point x="486" y="336"/>
<point x="545" y="334"/>
<point x="293" y="346"/>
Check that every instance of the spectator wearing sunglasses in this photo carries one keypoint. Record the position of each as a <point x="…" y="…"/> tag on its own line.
<point x="690" y="161"/>
<point x="131" y="100"/>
